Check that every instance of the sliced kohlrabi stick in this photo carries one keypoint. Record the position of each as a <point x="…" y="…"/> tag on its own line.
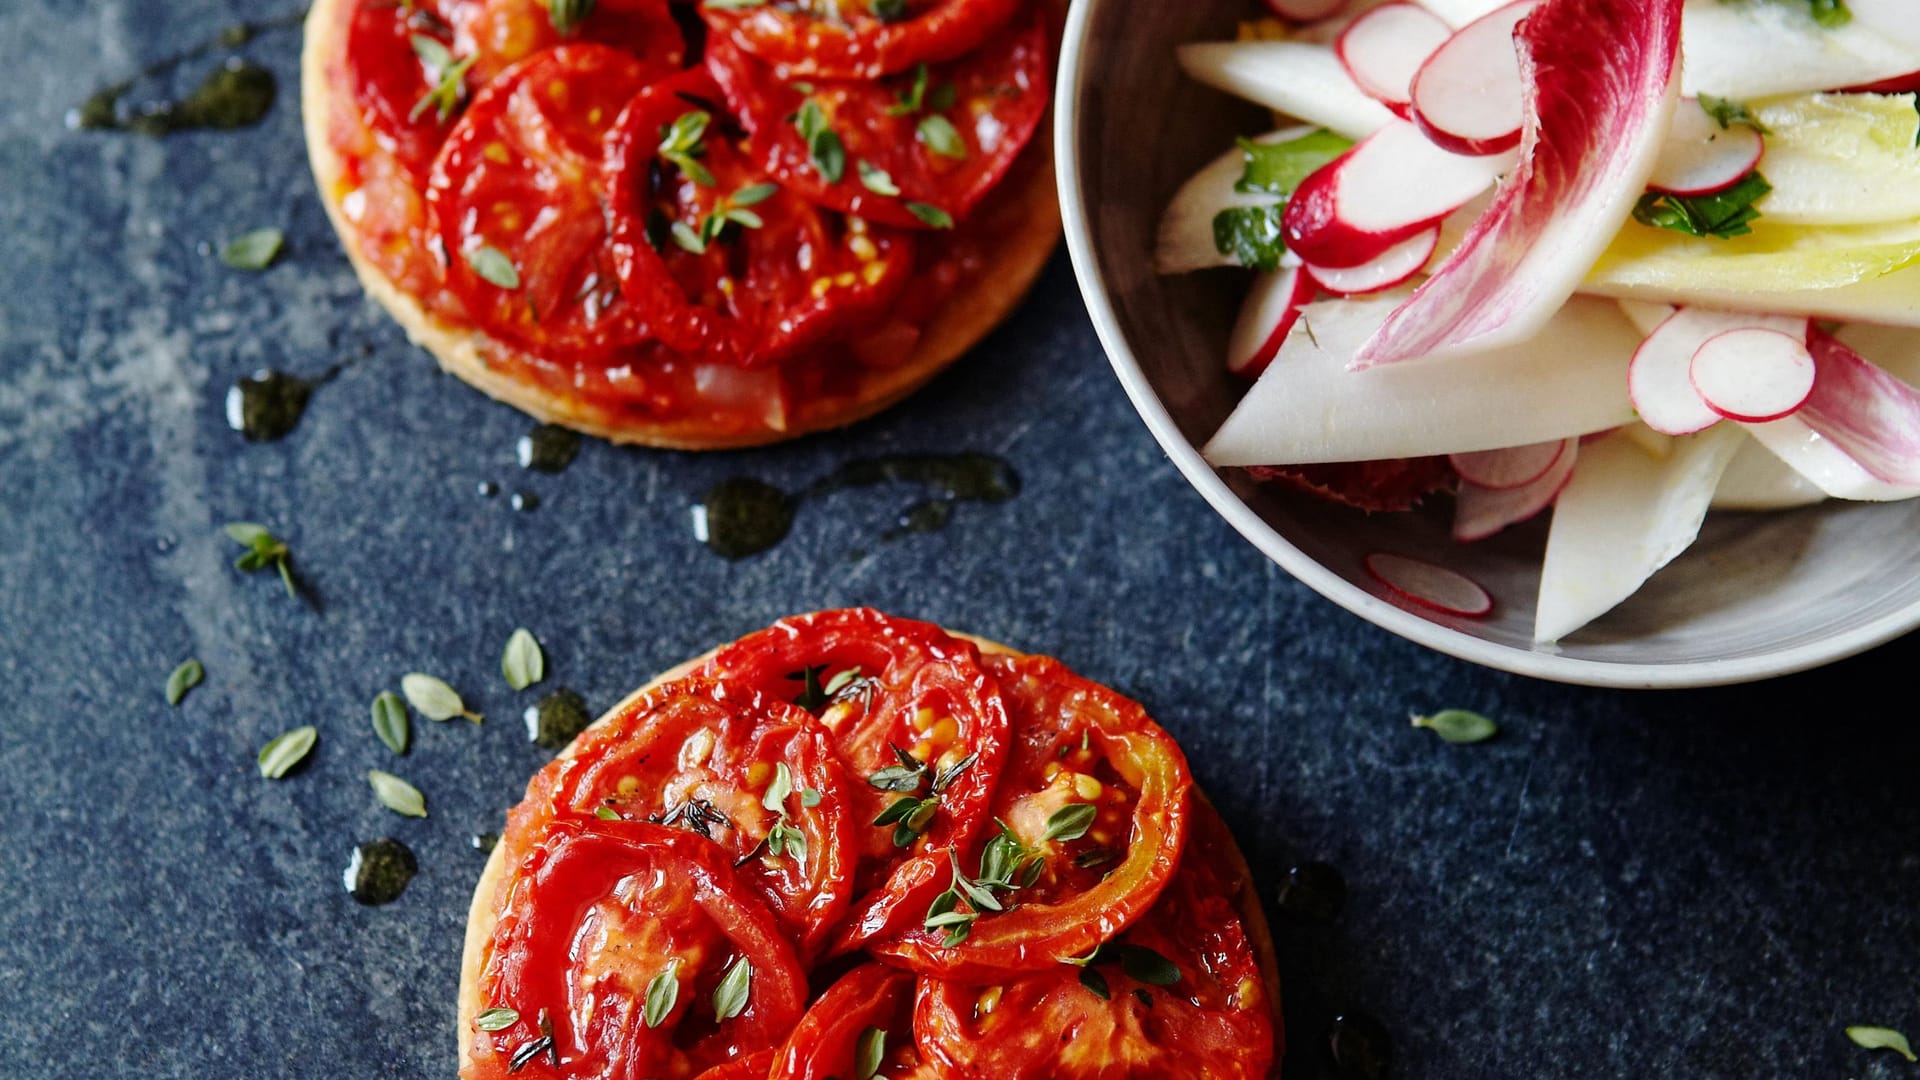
<point x="1756" y="48"/>
<point x="1623" y="516"/>
<point x="1823" y="464"/>
<point x="1185" y="241"/>
<point x="1840" y="159"/>
<point x="1756" y="480"/>
<point x="1303" y="81"/>
<point x="1308" y="407"/>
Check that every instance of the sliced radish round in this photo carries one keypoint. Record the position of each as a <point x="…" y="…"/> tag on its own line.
<point x="1513" y="467"/>
<point x="1753" y="374"/>
<point x="1305" y="10"/>
<point x="1700" y="157"/>
<point x="1660" y="375"/>
<point x="1390" y="188"/>
<point x="1397" y="264"/>
<point x="1468" y="96"/>
<point x="1479" y="512"/>
<point x="1384" y="47"/>
<point x="1431" y="585"/>
<point x="1268" y="314"/>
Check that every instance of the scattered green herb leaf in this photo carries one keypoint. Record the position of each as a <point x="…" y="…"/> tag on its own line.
<point x="1278" y="168"/>
<point x="1144" y="965"/>
<point x="1879" y="1038"/>
<point x="932" y="215"/>
<point x="775" y="798"/>
<point x="1721" y="215"/>
<point x="1071" y="821"/>
<point x="908" y="102"/>
<point x="662" y="992"/>
<point x="682" y="145"/>
<point x="941" y="99"/>
<point x="494" y="267"/>
<point x="1727" y="112"/>
<point x="253" y="250"/>
<point x="1095" y="982"/>
<point x="876" y="180"/>
<point x="945" y="777"/>
<point x="184" y="678"/>
<point x="286" y="750"/>
<point x="1831" y="14"/>
<point x="688" y="239"/>
<point x="869" y="1052"/>
<point x="448" y="75"/>
<point x="732" y="5"/>
<point x="390" y="721"/>
<point x="433" y="698"/>
<point x="567" y="15"/>
<point x="785" y="839"/>
<point x="523" y="663"/>
<point x="606" y="813"/>
<point x="902" y="777"/>
<point x="812" y="696"/>
<point x="1251" y="234"/>
<point x="888" y="11"/>
<point x="809" y="797"/>
<point x="263" y="550"/>
<point x="496" y="1019"/>
<point x="1458" y="725"/>
<point x="730" y="995"/>
<point x="396" y="794"/>
<point x="938" y="134"/>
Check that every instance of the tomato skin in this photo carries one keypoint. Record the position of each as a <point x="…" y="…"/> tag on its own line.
<point x="913" y="666"/>
<point x="640" y="763"/>
<point x="756" y="296"/>
<point x="752" y="1067"/>
<point x="860" y="46"/>
<point x="824" y="1045"/>
<point x="1069" y="731"/>
<point x="999" y="93"/>
<point x="501" y="33"/>
<point x="387" y="80"/>
<point x="1214" y="1023"/>
<point x="594" y="911"/>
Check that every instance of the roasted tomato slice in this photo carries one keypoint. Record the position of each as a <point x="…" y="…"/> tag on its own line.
<point x="517" y="197"/>
<point x="911" y="710"/>
<point x="758" y="778"/>
<point x="1092" y="808"/>
<point x="1179" y="994"/>
<point x="500" y="33"/>
<point x="389" y="46"/>
<point x="724" y="262"/>
<point x="917" y="149"/>
<point x="612" y="939"/>
<point x="858" y="39"/>
<point x="752" y="1067"/>
<point x="872" y="1003"/>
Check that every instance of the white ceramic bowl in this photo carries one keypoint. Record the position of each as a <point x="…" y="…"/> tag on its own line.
<point x="1758" y="595"/>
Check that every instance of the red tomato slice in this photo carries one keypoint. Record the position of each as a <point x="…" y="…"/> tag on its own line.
<point x="775" y="278"/>
<point x="389" y="80"/>
<point x="500" y="33"/>
<point x="847" y="40"/>
<point x="752" y="1067"/>
<point x="600" y="912"/>
<point x="517" y="198"/>
<point x="935" y="137"/>
<point x="917" y="689"/>
<point x="705" y="757"/>
<point x="1091" y="767"/>
<point x="1213" y="1020"/>
<point x="829" y="1042"/>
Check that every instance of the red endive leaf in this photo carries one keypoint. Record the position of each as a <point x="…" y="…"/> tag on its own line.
<point x="1865" y="411"/>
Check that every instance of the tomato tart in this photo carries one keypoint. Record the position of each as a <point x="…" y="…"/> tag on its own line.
<point x="852" y="845"/>
<point x="689" y="226"/>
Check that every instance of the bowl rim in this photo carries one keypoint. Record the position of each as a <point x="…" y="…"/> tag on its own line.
<point x="1072" y="72"/>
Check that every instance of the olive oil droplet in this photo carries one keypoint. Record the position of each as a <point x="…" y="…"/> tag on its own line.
<point x="379" y="871"/>
<point x="557" y="719"/>
<point x="1360" y="1047"/>
<point x="267" y="405"/>
<point x="547" y="448"/>
<point x="742" y="516"/>
<point x="1314" y="892"/>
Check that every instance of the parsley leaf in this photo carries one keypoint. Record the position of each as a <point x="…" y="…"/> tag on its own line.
<point x="1279" y="168"/>
<point x="1727" y="112"/>
<point x="1251" y="234"/>
<point x="1721" y="215"/>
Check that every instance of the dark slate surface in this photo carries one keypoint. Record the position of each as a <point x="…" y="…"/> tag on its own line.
<point x="1705" y="884"/>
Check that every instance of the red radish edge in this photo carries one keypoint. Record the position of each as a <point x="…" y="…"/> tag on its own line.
<point x="1481" y="512"/>
<point x="1660" y="379"/>
<point x="1361" y="205"/>
<point x="1384" y="48"/>
<point x="1509" y="468"/>
<point x="1753" y="374"/>
<point x="1469" y="96"/>
<point x="1700" y="157"/>
<point x="1430" y="585"/>
<point x="1292" y="287"/>
<point x="1305" y="10"/>
<point x="1396" y="265"/>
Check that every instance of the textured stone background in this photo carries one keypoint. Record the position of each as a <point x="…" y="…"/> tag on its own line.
<point x="1701" y="884"/>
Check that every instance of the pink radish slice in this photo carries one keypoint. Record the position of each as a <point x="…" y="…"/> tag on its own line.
<point x="1479" y="512"/>
<point x="1428" y="584"/>
<point x="1700" y="157"/>
<point x="1660" y="375"/>
<point x="1399" y="263"/>
<point x="1504" y="470"/>
<point x="1468" y="96"/>
<point x="1865" y="411"/>
<point x="1268" y="314"/>
<point x="1384" y="47"/>
<point x="1393" y="186"/>
<point x="1753" y="374"/>
<point x="1601" y="82"/>
<point x="1305" y="10"/>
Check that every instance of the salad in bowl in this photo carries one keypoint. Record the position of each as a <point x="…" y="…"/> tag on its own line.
<point x="1621" y="261"/>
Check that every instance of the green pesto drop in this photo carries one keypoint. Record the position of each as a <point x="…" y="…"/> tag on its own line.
<point x="266" y="405"/>
<point x="557" y="719"/>
<point x="547" y="448"/>
<point x="379" y="871"/>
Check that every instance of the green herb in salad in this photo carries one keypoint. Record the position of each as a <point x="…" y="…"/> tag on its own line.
<point x="1278" y="168"/>
<point x="1831" y="14"/>
<point x="1727" y="112"/>
<point x="1251" y="234"/>
<point x="1721" y="215"/>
